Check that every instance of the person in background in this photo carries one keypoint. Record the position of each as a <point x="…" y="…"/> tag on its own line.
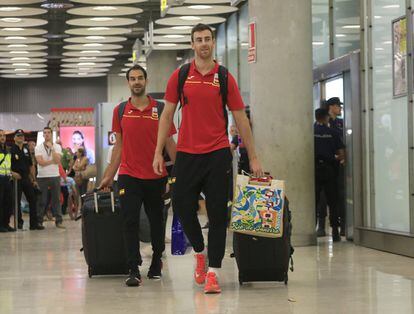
<point x="48" y="155"/>
<point x="80" y="165"/>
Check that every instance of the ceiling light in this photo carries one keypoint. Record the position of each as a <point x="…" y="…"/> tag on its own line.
<point x="86" y="63"/>
<point x="19" y="52"/>
<point x="20" y="59"/>
<point x="391" y="6"/>
<point x="389" y="42"/>
<point x="190" y="18"/>
<point x="167" y="45"/>
<point x="13" y="29"/>
<point x="379" y="49"/>
<point x="173" y="36"/>
<point x="21" y="64"/>
<point x="317" y="43"/>
<point x="87" y="58"/>
<point x="98" y="28"/>
<point x="340" y="35"/>
<point x="181" y="27"/>
<point x="11" y="20"/>
<point x="17" y="46"/>
<point x="21" y="70"/>
<point x="90" y="51"/>
<point x="82" y="73"/>
<point x="95" y="37"/>
<point x="15" y="38"/>
<point x="104" y="8"/>
<point x="377" y="17"/>
<point x="101" y="19"/>
<point x="200" y="7"/>
<point x="92" y="45"/>
<point x="351" y="26"/>
<point x="22" y="74"/>
<point x="9" y="9"/>
<point x="84" y="69"/>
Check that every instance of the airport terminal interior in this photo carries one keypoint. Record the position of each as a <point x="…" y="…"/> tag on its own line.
<point x="297" y="64"/>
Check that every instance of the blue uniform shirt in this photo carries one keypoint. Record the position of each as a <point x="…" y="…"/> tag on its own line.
<point x="338" y="125"/>
<point x="327" y="142"/>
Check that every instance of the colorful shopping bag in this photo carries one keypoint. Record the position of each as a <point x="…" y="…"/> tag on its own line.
<point x="179" y="241"/>
<point x="258" y="207"/>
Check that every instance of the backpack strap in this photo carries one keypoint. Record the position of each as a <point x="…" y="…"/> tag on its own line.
<point x="182" y="77"/>
<point x="121" y="110"/>
<point x="223" y="75"/>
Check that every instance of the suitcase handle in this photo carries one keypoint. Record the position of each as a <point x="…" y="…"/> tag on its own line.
<point x="95" y="199"/>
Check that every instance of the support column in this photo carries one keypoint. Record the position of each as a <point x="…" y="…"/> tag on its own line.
<point x="281" y="104"/>
<point x="160" y="66"/>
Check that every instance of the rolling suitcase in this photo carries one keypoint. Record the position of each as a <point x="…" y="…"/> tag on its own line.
<point x="264" y="259"/>
<point x="102" y="234"/>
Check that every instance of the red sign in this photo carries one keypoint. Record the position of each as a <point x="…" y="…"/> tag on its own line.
<point x="251" y="54"/>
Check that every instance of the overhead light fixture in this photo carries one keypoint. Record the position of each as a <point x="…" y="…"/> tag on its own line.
<point x="11" y="20"/>
<point x="101" y="19"/>
<point x="20" y="59"/>
<point x="173" y="36"/>
<point x="351" y="26"/>
<point x="377" y="17"/>
<point x="21" y="70"/>
<point x="21" y="64"/>
<point x="90" y="51"/>
<point x="181" y="27"/>
<point x="19" y="52"/>
<point x="13" y="29"/>
<point x="391" y="6"/>
<point x="98" y="28"/>
<point x="317" y="43"/>
<point x="200" y="7"/>
<point x="86" y="63"/>
<point x="388" y="42"/>
<point x="104" y="8"/>
<point x="9" y="9"/>
<point x="17" y="46"/>
<point x="95" y="37"/>
<point x="190" y="18"/>
<point x="87" y="58"/>
<point x="82" y="73"/>
<point x="15" y="38"/>
<point x="167" y="45"/>
<point x="84" y="69"/>
<point x="379" y="49"/>
<point x="92" y="45"/>
<point x="22" y="74"/>
<point x="340" y="35"/>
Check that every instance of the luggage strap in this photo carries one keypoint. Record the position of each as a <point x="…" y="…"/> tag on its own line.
<point x="291" y="258"/>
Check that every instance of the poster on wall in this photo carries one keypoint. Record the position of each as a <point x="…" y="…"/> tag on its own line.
<point x="75" y="137"/>
<point x="399" y="54"/>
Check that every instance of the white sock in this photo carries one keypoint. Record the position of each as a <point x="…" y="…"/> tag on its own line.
<point x="214" y="270"/>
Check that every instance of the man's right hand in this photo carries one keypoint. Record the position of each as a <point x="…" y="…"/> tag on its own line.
<point x="158" y="163"/>
<point x="16" y="176"/>
<point x="106" y="183"/>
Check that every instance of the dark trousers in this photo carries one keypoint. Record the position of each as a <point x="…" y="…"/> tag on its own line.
<point x="132" y="193"/>
<point x="54" y="184"/>
<point x="326" y="181"/>
<point x="25" y="186"/>
<point x="209" y="173"/>
<point x="6" y="200"/>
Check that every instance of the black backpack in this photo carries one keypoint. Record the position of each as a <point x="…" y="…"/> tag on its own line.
<point x="122" y="105"/>
<point x="223" y="80"/>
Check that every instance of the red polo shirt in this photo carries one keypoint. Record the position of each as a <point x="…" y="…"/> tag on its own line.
<point x="139" y="139"/>
<point x="203" y="127"/>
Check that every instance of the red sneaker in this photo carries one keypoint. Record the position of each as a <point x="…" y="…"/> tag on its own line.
<point x="212" y="285"/>
<point x="200" y="270"/>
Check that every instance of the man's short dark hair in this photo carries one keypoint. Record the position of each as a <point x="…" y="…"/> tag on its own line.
<point x="136" y="67"/>
<point x="333" y="101"/>
<point x="47" y="128"/>
<point x="320" y="114"/>
<point x="199" y="28"/>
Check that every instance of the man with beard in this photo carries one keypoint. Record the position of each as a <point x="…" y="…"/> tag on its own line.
<point x="136" y="127"/>
<point x="204" y="159"/>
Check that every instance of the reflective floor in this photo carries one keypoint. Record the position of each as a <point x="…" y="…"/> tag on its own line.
<point x="44" y="272"/>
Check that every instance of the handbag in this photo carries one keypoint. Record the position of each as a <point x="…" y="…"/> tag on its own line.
<point x="258" y="206"/>
<point x="178" y="239"/>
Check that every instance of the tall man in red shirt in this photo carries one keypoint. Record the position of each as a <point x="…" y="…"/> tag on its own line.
<point x="204" y="160"/>
<point x="133" y="153"/>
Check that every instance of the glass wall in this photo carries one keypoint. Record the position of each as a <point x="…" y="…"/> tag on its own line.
<point x="390" y="129"/>
<point x="221" y="44"/>
<point x="346" y="18"/>
<point x="320" y="31"/>
<point x="232" y="46"/>
<point x="244" y="70"/>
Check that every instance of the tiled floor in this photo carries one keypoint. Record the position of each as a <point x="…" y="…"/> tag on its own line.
<point x="44" y="272"/>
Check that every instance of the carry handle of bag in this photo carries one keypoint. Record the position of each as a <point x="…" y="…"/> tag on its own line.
<point x="95" y="199"/>
<point x="265" y="180"/>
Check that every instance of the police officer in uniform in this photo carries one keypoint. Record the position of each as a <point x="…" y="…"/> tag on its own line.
<point x="6" y="195"/>
<point x="335" y="110"/>
<point x="23" y="165"/>
<point x="328" y="151"/>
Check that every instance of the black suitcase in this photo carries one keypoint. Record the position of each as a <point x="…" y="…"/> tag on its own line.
<point x="102" y="235"/>
<point x="264" y="259"/>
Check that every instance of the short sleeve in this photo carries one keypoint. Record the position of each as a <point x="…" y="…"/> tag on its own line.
<point x="58" y="149"/>
<point x="234" y="100"/>
<point x="338" y="142"/>
<point x="171" y="93"/>
<point x="116" y="126"/>
<point x="38" y="151"/>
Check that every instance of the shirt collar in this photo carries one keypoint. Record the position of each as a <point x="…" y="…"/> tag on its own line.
<point x="130" y="106"/>
<point x="212" y="72"/>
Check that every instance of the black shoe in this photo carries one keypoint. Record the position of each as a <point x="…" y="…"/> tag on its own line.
<point x="335" y="235"/>
<point x="20" y="225"/>
<point x="10" y="229"/>
<point x="2" y="229"/>
<point x="154" y="271"/>
<point x="38" y="227"/>
<point x="320" y="233"/>
<point x="134" y="279"/>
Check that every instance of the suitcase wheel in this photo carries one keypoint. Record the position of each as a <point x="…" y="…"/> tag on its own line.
<point x="89" y="271"/>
